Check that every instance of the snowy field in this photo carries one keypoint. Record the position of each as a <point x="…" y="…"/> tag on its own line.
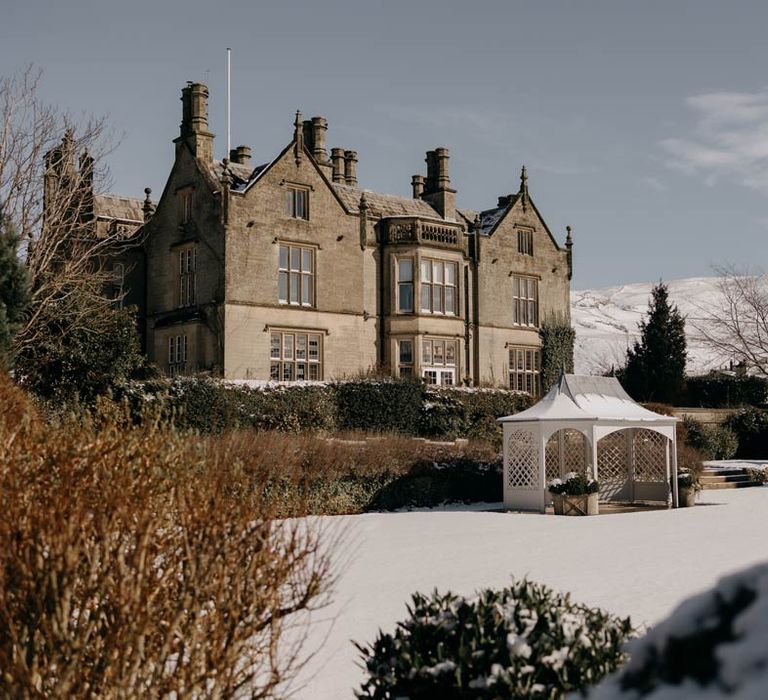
<point x="640" y="564"/>
<point x="606" y="321"/>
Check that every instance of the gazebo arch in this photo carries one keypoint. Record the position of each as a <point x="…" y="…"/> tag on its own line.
<point x="589" y="425"/>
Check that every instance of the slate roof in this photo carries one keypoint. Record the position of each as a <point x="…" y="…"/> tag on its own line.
<point x="384" y="204"/>
<point x="242" y="175"/>
<point x="114" y="206"/>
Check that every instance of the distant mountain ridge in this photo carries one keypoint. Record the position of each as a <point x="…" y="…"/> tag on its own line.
<point x="606" y="321"/>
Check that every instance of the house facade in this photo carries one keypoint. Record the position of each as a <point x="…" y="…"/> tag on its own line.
<point x="291" y="271"/>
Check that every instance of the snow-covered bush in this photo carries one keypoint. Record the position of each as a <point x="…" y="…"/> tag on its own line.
<point x="523" y="641"/>
<point x="712" y="646"/>
<point x="573" y="484"/>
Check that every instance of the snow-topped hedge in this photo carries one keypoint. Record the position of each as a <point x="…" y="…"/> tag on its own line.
<point x="378" y="405"/>
<point x="525" y="641"/>
<point x="714" y="645"/>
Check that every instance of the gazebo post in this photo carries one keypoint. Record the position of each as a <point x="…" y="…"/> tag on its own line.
<point x="675" y="494"/>
<point x="542" y="469"/>
<point x="594" y="452"/>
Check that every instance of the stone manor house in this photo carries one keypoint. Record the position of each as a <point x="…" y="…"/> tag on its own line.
<point x="291" y="271"/>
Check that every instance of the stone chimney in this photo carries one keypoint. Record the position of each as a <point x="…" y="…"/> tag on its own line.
<point x="337" y="158"/>
<point x="319" y="129"/>
<point x="437" y="190"/>
<point x="417" y="183"/>
<point x="350" y="168"/>
<point x="194" y="121"/>
<point x="240" y="155"/>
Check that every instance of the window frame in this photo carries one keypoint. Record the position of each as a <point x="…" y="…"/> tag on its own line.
<point x="436" y="365"/>
<point x="184" y="205"/>
<point x="297" y="202"/>
<point x="405" y="284"/>
<point x="525" y="241"/>
<point x="405" y="366"/>
<point x="178" y="348"/>
<point x="437" y="289"/>
<point x="187" y="276"/>
<point x="306" y="284"/>
<point x="525" y="309"/>
<point x="303" y="359"/>
<point x="524" y="369"/>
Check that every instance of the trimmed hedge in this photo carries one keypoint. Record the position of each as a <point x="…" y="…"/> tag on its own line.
<point x="714" y="441"/>
<point x="724" y="391"/>
<point x="402" y="406"/>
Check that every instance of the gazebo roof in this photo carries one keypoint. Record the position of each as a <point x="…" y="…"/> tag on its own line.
<point x="585" y="398"/>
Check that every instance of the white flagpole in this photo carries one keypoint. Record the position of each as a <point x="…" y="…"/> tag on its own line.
<point x="229" y="98"/>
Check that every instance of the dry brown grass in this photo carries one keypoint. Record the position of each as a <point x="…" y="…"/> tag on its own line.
<point x="137" y="562"/>
<point x="305" y="473"/>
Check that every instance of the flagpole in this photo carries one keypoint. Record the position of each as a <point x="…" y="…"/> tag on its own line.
<point x="229" y="100"/>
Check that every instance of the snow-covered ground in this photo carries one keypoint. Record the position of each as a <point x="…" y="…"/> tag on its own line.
<point x="606" y="321"/>
<point x="640" y="564"/>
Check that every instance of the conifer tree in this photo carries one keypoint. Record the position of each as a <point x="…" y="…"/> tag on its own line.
<point x="655" y="369"/>
<point x="14" y="290"/>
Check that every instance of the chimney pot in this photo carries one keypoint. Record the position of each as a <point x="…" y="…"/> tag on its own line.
<point x="337" y="159"/>
<point x="350" y="168"/>
<point x="319" y="129"/>
<point x="417" y="182"/>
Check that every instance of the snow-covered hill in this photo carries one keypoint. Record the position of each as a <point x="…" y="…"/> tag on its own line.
<point x="606" y="321"/>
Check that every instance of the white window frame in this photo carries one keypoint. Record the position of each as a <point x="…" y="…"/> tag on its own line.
<point x="525" y="301"/>
<point x="297" y="202"/>
<point x="525" y="369"/>
<point x="434" y="286"/>
<point x="296" y="356"/>
<point x="185" y="205"/>
<point x="298" y="264"/>
<point x="405" y="366"/>
<point x="525" y="241"/>
<point x="439" y="368"/>
<point x="405" y="284"/>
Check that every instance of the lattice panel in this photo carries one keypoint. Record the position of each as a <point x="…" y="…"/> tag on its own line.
<point x="522" y="460"/>
<point x="612" y="464"/>
<point x="650" y="450"/>
<point x="552" y="458"/>
<point x="574" y="455"/>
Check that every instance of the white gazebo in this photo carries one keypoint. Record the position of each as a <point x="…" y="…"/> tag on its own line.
<point x="589" y="425"/>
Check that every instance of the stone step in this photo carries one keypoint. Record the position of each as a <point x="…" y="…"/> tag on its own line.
<point x="729" y="485"/>
<point x="722" y="478"/>
<point x="723" y="472"/>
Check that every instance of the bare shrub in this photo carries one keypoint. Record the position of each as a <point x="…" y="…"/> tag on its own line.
<point x="136" y="562"/>
<point x="304" y="473"/>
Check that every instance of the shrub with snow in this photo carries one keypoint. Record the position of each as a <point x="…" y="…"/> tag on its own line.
<point x="573" y="484"/>
<point x="522" y="641"/>
<point x="713" y="645"/>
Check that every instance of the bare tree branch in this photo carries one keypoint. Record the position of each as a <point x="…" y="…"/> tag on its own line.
<point x="735" y="325"/>
<point x="50" y="171"/>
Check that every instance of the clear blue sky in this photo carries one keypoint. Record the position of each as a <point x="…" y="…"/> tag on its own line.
<point x="644" y="125"/>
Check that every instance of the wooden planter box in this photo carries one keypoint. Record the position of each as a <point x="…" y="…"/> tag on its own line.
<point x="575" y="505"/>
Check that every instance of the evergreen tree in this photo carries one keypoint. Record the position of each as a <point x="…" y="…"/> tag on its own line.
<point x="14" y="290"/>
<point x="655" y="369"/>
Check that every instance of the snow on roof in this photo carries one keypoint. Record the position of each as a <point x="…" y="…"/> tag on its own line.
<point x="584" y="398"/>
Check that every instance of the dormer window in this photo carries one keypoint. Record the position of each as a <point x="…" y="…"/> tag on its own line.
<point x="297" y="202"/>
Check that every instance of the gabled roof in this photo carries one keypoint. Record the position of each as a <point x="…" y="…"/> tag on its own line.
<point x="585" y="398"/>
<point x="384" y="204"/>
